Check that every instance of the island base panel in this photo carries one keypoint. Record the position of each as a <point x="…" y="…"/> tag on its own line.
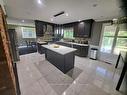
<point x="63" y="62"/>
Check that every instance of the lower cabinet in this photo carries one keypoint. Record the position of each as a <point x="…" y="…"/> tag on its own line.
<point x="40" y="49"/>
<point x="81" y="50"/>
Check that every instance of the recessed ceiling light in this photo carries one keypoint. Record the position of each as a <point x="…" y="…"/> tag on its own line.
<point x="115" y="19"/>
<point x="66" y="14"/>
<point x="79" y="20"/>
<point x="39" y="1"/>
<point x="22" y="20"/>
<point x="64" y="93"/>
<point x="51" y="19"/>
<point x="95" y="5"/>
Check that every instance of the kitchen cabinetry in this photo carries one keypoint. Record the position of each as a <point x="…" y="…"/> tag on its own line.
<point x="44" y="28"/>
<point x="82" y="51"/>
<point x="39" y="28"/>
<point x="83" y="28"/>
<point x="40" y="49"/>
<point x="62" y="57"/>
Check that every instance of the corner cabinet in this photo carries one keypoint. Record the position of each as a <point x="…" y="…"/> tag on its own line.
<point x="43" y="28"/>
<point x="83" y="28"/>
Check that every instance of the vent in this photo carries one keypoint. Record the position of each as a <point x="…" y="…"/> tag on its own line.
<point x="60" y="13"/>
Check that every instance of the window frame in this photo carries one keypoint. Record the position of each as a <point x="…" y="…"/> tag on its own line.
<point x="23" y="28"/>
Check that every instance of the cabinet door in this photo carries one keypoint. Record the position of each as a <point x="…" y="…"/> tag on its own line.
<point x="76" y="30"/>
<point x="87" y="28"/>
<point x="83" y="29"/>
<point x="39" y="28"/>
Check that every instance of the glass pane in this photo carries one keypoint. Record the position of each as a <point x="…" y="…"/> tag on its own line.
<point x="109" y="30"/>
<point x="122" y="30"/>
<point x="28" y="32"/>
<point x="122" y="33"/>
<point x="121" y="45"/>
<point x="107" y="43"/>
<point x="68" y="33"/>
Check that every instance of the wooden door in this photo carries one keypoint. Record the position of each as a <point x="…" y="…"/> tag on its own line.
<point x="7" y="78"/>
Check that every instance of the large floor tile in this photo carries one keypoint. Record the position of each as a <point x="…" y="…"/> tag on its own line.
<point x="37" y="76"/>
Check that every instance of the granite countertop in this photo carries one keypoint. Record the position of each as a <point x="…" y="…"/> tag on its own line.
<point x="61" y="50"/>
<point x="76" y="43"/>
<point x="41" y="42"/>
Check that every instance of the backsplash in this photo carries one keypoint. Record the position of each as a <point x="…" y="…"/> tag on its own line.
<point x="78" y="40"/>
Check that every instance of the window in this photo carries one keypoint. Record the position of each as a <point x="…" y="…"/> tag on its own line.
<point x="68" y="33"/>
<point x="121" y="40"/>
<point x="114" y="39"/>
<point x="108" y="38"/>
<point x="28" y="32"/>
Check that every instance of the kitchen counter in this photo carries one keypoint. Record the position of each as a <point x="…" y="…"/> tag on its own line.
<point x="61" y="50"/>
<point x="82" y="49"/>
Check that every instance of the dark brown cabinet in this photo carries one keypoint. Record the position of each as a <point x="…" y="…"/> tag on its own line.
<point x="39" y="28"/>
<point x="41" y="50"/>
<point x="83" y="29"/>
<point x="43" y="28"/>
<point x="82" y="51"/>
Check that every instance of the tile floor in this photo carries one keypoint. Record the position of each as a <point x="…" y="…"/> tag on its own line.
<point x="89" y="77"/>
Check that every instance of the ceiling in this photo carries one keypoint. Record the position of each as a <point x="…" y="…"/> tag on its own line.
<point x="76" y="9"/>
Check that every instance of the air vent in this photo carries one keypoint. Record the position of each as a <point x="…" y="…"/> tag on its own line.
<point x="60" y="13"/>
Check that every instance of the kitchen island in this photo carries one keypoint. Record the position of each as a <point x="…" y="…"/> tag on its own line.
<point x="60" y="56"/>
<point x="82" y="49"/>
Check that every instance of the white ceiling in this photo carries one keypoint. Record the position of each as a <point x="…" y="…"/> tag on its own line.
<point x="20" y="22"/>
<point x="77" y="10"/>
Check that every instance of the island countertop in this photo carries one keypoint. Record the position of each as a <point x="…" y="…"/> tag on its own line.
<point x="61" y="49"/>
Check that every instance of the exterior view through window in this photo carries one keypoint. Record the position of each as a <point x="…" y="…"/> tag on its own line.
<point x="114" y="39"/>
<point x="68" y="33"/>
<point x="28" y="32"/>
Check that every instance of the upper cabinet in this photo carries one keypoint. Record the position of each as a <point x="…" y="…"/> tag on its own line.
<point x="39" y="28"/>
<point x="83" y="29"/>
<point x="44" y="28"/>
<point x="80" y="29"/>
